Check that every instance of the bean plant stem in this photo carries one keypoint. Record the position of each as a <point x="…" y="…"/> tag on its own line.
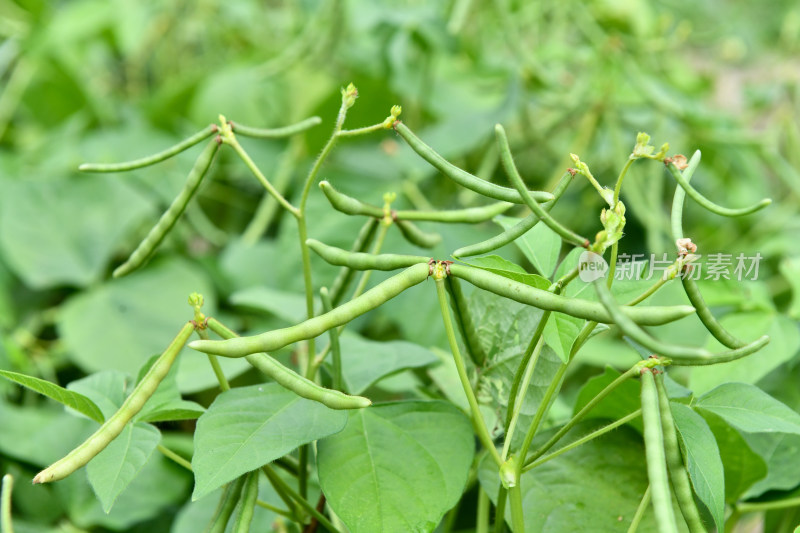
<point x="517" y="517"/>
<point x="276" y="510"/>
<point x="640" y="510"/>
<point x="516" y="407"/>
<point x="752" y="507"/>
<point x="482" y="516"/>
<point x="500" y="510"/>
<point x="214" y="361"/>
<point x="376" y="249"/>
<point x="477" y="419"/>
<point x="281" y="490"/>
<point x="169" y="454"/>
<point x="310" y="509"/>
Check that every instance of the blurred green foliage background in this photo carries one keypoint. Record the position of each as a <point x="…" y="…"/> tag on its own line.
<point x="94" y="80"/>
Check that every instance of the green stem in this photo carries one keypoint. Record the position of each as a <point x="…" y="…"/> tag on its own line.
<point x="214" y="361"/>
<point x="517" y="517"/>
<point x="282" y="490"/>
<point x="169" y="454"/>
<point x="345" y="276"/>
<point x="640" y="510"/>
<point x="477" y="419"/>
<point x="620" y="178"/>
<point x="276" y="510"/>
<point x="276" y="133"/>
<point x="376" y="249"/>
<point x="500" y="510"/>
<point x="336" y="354"/>
<point x="752" y="507"/>
<point x="648" y="293"/>
<point x="361" y="131"/>
<point x="310" y="509"/>
<point x="516" y="407"/>
<point x="482" y="518"/>
<point x="465" y="323"/>
<point x="583" y="440"/>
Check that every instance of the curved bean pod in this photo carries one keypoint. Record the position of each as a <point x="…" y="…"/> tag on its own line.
<point x="362" y="261"/>
<point x="273" y="340"/>
<point x="462" y="177"/>
<point x="520" y="228"/>
<point x="346" y="274"/>
<point x="680" y="355"/>
<point x="689" y="286"/>
<point x="708" y="204"/>
<point x="5" y="504"/>
<point x="548" y="301"/>
<point x="227" y="503"/>
<point x="247" y="503"/>
<point x="286" y="377"/>
<point x="112" y="427"/>
<point x="276" y="133"/>
<point x="656" y="458"/>
<point x="416" y="236"/>
<point x="677" y="471"/>
<point x="151" y="159"/>
<point x="513" y="175"/>
<point x="469" y="215"/>
<point x="148" y="246"/>
<point x="348" y="204"/>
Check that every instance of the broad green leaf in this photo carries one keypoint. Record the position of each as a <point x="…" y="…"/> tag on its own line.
<point x="288" y="306"/>
<point x="540" y="245"/>
<point x="595" y="487"/>
<point x="621" y="402"/>
<point x="398" y="466"/>
<point x="71" y="399"/>
<point x="790" y="269"/>
<point x="779" y="451"/>
<point x="743" y="467"/>
<point x="703" y="460"/>
<point x="248" y="427"/>
<point x="107" y="389"/>
<point x="120" y="324"/>
<point x="503" y="267"/>
<point x="364" y="362"/>
<point x="750" y="409"/>
<point x="57" y="232"/>
<point x="113" y="469"/>
<point x="560" y="333"/>
<point x="784" y="344"/>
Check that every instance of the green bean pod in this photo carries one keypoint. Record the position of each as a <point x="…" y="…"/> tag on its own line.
<point x="469" y="215"/>
<point x="362" y="261"/>
<point x="681" y="484"/>
<point x="690" y="287"/>
<point x="520" y="228"/>
<point x="416" y="236"/>
<point x="112" y="427"/>
<point x="347" y="204"/>
<point x="5" y="504"/>
<point x="286" y="377"/>
<point x="680" y="355"/>
<point x="516" y="180"/>
<point x="276" y="133"/>
<point x="346" y="274"/>
<point x="578" y="308"/>
<point x="227" y="503"/>
<point x="656" y="458"/>
<point x="151" y="159"/>
<point x="247" y="503"/>
<point x="462" y="177"/>
<point x="273" y="340"/>
<point x="148" y="246"/>
<point x="466" y="325"/>
<point x="708" y="204"/>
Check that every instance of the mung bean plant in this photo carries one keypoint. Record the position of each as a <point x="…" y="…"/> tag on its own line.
<point x="488" y="444"/>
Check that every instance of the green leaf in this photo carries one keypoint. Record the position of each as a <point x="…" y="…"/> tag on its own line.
<point x="248" y="427"/>
<point x="398" y="466"/>
<point x="120" y="324"/>
<point x="71" y="399"/>
<point x="507" y="269"/>
<point x="541" y="245"/>
<point x="560" y="333"/>
<point x="113" y="469"/>
<point x="107" y="389"/>
<point x="288" y="306"/>
<point x="784" y="344"/>
<point x="750" y="409"/>
<point x="703" y="460"/>
<point x="779" y="451"/>
<point x="57" y="232"/>
<point x="620" y="403"/>
<point x="364" y="362"/>
<point x="743" y="467"/>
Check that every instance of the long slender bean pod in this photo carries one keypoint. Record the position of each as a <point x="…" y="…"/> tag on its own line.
<point x="656" y="459"/>
<point x="416" y="236"/>
<point x="247" y="503"/>
<point x="276" y="133"/>
<point x="336" y="353"/>
<point x="5" y="504"/>
<point x="469" y="215"/>
<point x="462" y="177"/>
<point x="273" y="340"/>
<point x="518" y="229"/>
<point x="516" y="180"/>
<point x="346" y="274"/>
<point x="526" y="294"/>
<point x="148" y="246"/>
<point x="290" y="379"/>
<point x="112" y="427"/>
<point x="151" y="159"/>
<point x="689" y="286"/>
<point x="680" y="355"/>
<point x="708" y="204"/>
<point x="677" y="471"/>
<point x="362" y="261"/>
<point x="347" y="204"/>
<point x="227" y="504"/>
<point x="466" y="325"/>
